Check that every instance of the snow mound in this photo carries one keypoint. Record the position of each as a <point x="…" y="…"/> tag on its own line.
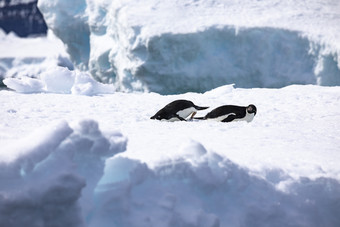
<point x="29" y="57"/>
<point x="201" y="188"/>
<point x="182" y="46"/>
<point x="48" y="178"/>
<point x="71" y="176"/>
<point x="59" y="80"/>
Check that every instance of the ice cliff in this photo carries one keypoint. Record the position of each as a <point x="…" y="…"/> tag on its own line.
<point x="180" y="46"/>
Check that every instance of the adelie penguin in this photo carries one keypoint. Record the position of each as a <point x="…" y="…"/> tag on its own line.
<point x="230" y="113"/>
<point x="177" y="110"/>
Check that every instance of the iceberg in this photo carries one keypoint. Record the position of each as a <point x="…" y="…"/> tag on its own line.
<point x="182" y="46"/>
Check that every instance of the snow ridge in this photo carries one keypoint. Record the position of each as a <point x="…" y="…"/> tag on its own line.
<point x="205" y="189"/>
<point x="48" y="179"/>
<point x="77" y="179"/>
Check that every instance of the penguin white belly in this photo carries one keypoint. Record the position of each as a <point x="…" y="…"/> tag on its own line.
<point x="248" y="118"/>
<point x="186" y="112"/>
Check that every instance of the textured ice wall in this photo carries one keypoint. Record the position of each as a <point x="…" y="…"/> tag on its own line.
<point x="69" y="22"/>
<point x="193" y="46"/>
<point x="249" y="57"/>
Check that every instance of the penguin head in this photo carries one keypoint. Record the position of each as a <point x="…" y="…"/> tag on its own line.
<point x="156" y="117"/>
<point x="160" y="115"/>
<point x="251" y="109"/>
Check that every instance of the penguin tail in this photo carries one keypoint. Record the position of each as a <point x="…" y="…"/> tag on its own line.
<point x="201" y="108"/>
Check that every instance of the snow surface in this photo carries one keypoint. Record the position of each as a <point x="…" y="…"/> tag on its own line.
<point x="173" y="47"/>
<point x="282" y="169"/>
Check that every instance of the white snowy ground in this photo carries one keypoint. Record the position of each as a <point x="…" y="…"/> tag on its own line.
<point x="282" y="169"/>
<point x="297" y="128"/>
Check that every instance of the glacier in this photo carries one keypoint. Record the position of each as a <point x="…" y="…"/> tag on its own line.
<point x="182" y="46"/>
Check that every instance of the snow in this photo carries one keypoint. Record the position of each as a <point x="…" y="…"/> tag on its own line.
<point x="59" y="80"/>
<point x="13" y="46"/>
<point x="43" y="179"/>
<point x="280" y="169"/>
<point x="77" y="152"/>
<point x="29" y="57"/>
<point x="181" y="46"/>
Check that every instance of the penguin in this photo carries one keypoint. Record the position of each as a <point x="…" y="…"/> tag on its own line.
<point x="228" y="113"/>
<point x="177" y="110"/>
